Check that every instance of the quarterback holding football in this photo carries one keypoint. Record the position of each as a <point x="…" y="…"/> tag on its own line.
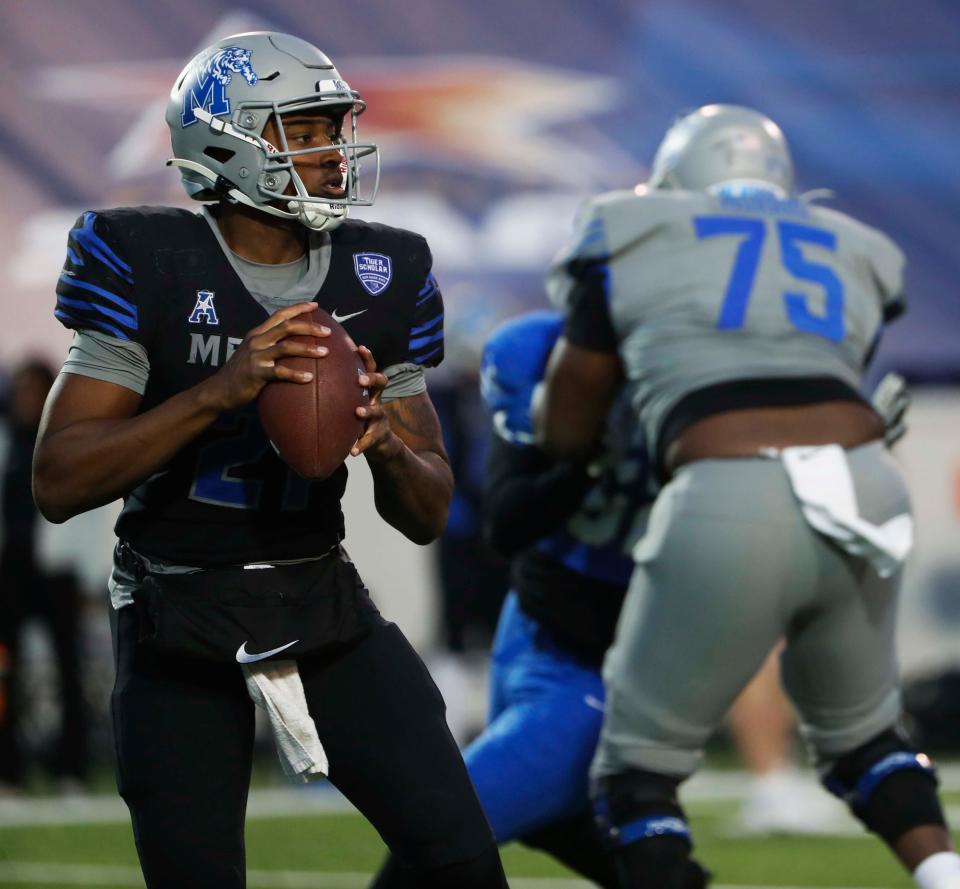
<point x="231" y="586"/>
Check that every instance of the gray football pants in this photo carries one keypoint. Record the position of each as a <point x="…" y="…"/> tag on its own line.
<point x="728" y="566"/>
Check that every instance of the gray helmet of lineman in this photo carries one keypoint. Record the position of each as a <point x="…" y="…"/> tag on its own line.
<point x="722" y="143"/>
<point x="223" y="99"/>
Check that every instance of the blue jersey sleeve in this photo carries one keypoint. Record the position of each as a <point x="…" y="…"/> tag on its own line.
<point x="514" y="361"/>
<point x="96" y="287"/>
<point x="425" y="344"/>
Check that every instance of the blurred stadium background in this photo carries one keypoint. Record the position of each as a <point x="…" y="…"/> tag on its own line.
<point x="495" y="120"/>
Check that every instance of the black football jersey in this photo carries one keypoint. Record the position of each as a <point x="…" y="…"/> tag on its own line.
<point x="157" y="276"/>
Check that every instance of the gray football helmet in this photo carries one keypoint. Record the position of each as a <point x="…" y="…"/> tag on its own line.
<point x="722" y="143"/>
<point x="223" y="99"/>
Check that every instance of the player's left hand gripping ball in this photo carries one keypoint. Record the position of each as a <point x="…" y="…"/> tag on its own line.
<point x="378" y="441"/>
<point x="314" y="425"/>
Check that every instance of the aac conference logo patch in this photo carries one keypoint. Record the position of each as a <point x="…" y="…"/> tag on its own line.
<point x="204" y="312"/>
<point x="374" y="270"/>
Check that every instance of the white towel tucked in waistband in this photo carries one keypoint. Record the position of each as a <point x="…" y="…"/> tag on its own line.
<point x="821" y="481"/>
<point x="275" y="686"/>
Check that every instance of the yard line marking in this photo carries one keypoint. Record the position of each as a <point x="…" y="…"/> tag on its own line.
<point x="70" y="874"/>
<point x="322" y="798"/>
<point x="266" y="803"/>
<point x="106" y="875"/>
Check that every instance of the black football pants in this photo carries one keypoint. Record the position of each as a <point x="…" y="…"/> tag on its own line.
<point x="184" y="735"/>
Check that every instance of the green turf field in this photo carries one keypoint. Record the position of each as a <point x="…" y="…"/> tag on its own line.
<point x="338" y="851"/>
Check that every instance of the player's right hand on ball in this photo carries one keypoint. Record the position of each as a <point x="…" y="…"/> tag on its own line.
<point x="254" y="363"/>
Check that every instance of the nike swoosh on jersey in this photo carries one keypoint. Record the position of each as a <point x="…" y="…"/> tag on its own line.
<point x="341" y="318"/>
<point x="243" y="657"/>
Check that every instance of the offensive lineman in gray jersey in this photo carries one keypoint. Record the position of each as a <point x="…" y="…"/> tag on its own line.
<point x="745" y="317"/>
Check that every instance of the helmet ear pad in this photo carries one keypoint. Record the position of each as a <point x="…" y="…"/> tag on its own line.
<point x="276" y="181"/>
<point x="243" y="160"/>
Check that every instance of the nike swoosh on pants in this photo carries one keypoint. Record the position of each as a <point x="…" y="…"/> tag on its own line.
<point x="243" y="657"/>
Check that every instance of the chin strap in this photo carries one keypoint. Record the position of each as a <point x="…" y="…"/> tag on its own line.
<point x="310" y="214"/>
<point x="311" y="217"/>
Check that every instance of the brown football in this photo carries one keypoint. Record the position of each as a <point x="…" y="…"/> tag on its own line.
<point x="313" y="425"/>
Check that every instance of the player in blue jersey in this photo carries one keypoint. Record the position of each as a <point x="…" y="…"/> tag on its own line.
<point x="180" y="318"/>
<point x="567" y="528"/>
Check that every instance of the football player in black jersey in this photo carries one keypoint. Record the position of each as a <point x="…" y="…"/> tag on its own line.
<point x="179" y="320"/>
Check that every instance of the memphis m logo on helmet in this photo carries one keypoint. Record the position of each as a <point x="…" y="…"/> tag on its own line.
<point x="208" y="89"/>
<point x="227" y="157"/>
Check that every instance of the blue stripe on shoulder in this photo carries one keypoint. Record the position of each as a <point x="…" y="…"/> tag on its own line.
<point x="429" y="291"/>
<point x="431" y="284"/>
<point x="421" y="341"/>
<point x="593" y="235"/>
<point x="424" y="358"/>
<point x="119" y="317"/>
<point x="423" y="327"/>
<point x="80" y="323"/>
<point x="119" y="301"/>
<point x="99" y="249"/>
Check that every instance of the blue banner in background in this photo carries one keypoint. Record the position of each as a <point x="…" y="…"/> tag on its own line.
<point x="495" y="120"/>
